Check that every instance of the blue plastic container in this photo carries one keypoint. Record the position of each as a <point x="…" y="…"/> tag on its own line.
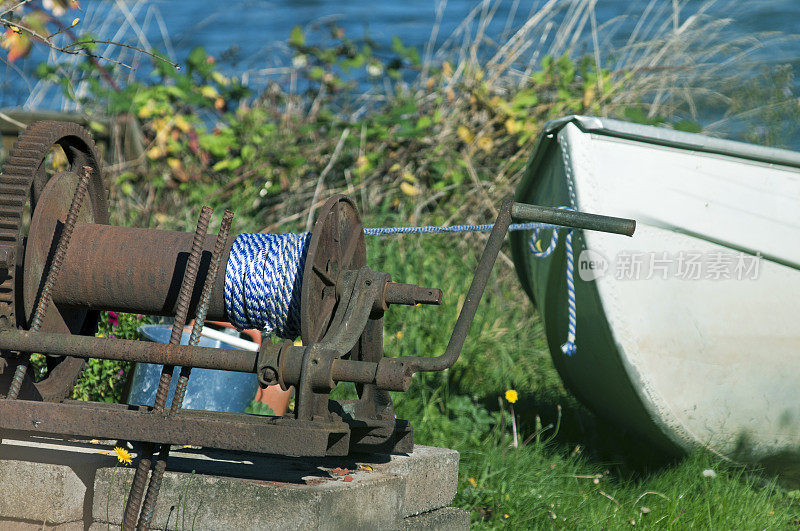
<point x="210" y="390"/>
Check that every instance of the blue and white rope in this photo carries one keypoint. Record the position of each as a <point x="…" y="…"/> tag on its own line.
<point x="263" y="278"/>
<point x="263" y="282"/>
<point x="433" y="229"/>
<point x="569" y="348"/>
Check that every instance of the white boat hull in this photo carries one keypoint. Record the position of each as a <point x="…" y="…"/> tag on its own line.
<point x="702" y="302"/>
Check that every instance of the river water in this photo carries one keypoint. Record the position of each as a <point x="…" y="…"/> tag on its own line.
<point x="249" y="36"/>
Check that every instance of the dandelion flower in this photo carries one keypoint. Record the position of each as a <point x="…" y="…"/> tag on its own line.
<point x="511" y="396"/>
<point x="473" y="482"/>
<point x="123" y="455"/>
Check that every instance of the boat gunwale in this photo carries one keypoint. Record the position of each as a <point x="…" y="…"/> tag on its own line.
<point x="671" y="138"/>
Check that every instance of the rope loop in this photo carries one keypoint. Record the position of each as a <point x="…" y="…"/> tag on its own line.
<point x="569" y="347"/>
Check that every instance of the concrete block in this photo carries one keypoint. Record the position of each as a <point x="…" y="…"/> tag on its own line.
<point x="46" y="481"/>
<point x="200" y="501"/>
<point x="431" y="478"/>
<point x="15" y="525"/>
<point x="68" y="483"/>
<point x="444" y="519"/>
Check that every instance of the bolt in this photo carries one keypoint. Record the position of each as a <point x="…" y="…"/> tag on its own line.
<point x="269" y="376"/>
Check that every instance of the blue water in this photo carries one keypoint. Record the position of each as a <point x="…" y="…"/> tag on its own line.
<point x="248" y="36"/>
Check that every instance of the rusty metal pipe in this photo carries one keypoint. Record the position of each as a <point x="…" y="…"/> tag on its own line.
<point x="570" y="218"/>
<point x="473" y="299"/>
<point x="134" y="270"/>
<point x="224" y="359"/>
<point x="127" y="350"/>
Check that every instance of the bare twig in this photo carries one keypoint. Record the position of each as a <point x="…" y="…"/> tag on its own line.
<point x="609" y="497"/>
<point x="13" y="7"/>
<point x="121" y="45"/>
<point x="71" y="48"/>
<point x="7" y="118"/>
<point x="324" y="173"/>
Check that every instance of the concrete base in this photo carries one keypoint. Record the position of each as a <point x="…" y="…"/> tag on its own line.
<point x="56" y="484"/>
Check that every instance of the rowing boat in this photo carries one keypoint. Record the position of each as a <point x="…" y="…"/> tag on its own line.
<point x="687" y="333"/>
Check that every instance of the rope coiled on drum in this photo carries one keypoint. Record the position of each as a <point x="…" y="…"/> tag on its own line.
<point x="263" y="282"/>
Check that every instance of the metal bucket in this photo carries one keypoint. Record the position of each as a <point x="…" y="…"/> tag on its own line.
<point x="208" y="389"/>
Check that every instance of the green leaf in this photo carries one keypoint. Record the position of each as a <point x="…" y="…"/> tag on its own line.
<point x="248" y="152"/>
<point x="424" y="122"/>
<point x="296" y="37"/>
<point x="688" y="126"/>
<point x="217" y="145"/>
<point x="259" y="408"/>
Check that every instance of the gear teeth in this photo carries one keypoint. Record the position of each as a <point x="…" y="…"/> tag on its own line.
<point x="16" y="178"/>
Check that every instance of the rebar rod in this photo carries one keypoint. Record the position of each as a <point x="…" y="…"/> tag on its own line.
<point x="52" y="275"/>
<point x="184" y="298"/>
<point x="202" y="307"/>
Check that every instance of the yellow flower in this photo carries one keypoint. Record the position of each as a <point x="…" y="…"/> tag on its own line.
<point x="511" y="396"/>
<point x="123" y="456"/>
<point x="399" y="334"/>
<point x="473" y="482"/>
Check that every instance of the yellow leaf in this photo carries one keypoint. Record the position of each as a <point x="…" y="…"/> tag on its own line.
<point x="182" y="123"/>
<point x="174" y="164"/>
<point x="219" y="78"/>
<point x="485" y="143"/>
<point x="394" y="167"/>
<point x="209" y="92"/>
<point x="75" y="22"/>
<point x="447" y="69"/>
<point x="465" y="134"/>
<point x="409" y="189"/>
<point x="155" y="153"/>
<point x="365" y="467"/>
<point x="513" y="126"/>
<point x="17" y="44"/>
<point x="408" y="176"/>
<point x="147" y="109"/>
<point x="588" y="96"/>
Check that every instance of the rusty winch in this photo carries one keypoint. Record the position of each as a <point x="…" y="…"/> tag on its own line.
<point x="61" y="263"/>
